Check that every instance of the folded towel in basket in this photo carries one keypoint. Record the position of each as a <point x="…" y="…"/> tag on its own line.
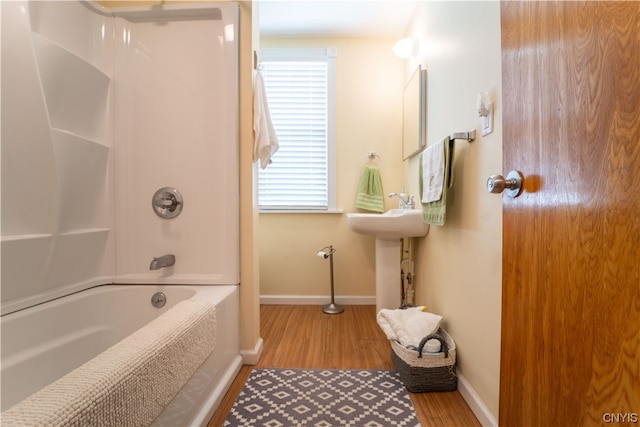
<point x="408" y="326"/>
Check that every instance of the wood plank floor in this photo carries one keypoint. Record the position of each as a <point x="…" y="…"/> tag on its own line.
<point x="304" y="337"/>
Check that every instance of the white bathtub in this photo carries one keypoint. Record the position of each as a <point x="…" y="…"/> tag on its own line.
<point x="43" y="343"/>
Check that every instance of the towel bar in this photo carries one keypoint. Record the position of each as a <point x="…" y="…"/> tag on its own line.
<point x="469" y="136"/>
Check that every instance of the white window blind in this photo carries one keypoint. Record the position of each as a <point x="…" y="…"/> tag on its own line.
<point x="300" y="85"/>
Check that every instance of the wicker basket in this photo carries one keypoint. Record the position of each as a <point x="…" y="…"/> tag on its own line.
<point x="422" y="372"/>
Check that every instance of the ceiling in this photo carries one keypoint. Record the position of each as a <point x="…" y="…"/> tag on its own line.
<point x="335" y="18"/>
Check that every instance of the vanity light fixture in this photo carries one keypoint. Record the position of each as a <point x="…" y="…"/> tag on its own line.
<point x="406" y="48"/>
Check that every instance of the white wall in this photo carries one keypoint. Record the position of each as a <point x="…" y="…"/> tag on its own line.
<point x="459" y="265"/>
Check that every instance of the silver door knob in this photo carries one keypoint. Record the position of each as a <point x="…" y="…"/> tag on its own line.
<point x="512" y="184"/>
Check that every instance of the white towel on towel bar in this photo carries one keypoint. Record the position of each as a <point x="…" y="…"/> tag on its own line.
<point x="266" y="141"/>
<point x="433" y="172"/>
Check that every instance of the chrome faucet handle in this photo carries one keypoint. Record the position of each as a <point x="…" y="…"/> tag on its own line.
<point x="411" y="204"/>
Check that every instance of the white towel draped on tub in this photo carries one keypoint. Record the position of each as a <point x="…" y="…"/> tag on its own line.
<point x="266" y="141"/>
<point x="408" y="326"/>
<point x="130" y="383"/>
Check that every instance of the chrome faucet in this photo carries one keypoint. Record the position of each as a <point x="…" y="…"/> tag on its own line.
<point x="407" y="203"/>
<point x="163" y="261"/>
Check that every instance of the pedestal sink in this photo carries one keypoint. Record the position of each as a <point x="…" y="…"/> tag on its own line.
<point x="389" y="229"/>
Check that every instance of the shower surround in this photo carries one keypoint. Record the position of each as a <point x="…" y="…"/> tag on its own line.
<point x="100" y="109"/>
<point x="176" y="116"/>
<point x="99" y="112"/>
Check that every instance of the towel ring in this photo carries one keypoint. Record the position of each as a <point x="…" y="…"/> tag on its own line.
<point x="373" y="157"/>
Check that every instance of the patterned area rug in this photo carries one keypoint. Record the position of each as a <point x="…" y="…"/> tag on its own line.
<point x="322" y="398"/>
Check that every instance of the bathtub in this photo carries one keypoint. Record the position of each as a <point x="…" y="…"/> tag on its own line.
<point x="43" y="343"/>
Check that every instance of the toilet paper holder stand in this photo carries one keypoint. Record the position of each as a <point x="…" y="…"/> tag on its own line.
<point x="332" y="307"/>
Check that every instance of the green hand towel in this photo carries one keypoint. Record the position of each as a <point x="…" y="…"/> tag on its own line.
<point x="435" y="212"/>
<point x="370" y="195"/>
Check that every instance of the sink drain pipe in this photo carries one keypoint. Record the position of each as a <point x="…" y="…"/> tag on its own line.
<point x="332" y="307"/>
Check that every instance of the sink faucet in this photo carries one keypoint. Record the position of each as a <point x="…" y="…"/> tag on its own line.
<point x="407" y="203"/>
<point x="163" y="261"/>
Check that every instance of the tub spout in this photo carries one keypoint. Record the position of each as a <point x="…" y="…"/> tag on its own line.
<point x="162" y="261"/>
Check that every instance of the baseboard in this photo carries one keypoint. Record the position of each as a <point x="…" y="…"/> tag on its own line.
<point x="251" y="357"/>
<point x="479" y="409"/>
<point x="316" y="300"/>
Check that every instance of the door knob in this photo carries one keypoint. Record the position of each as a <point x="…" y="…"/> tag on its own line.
<point x="513" y="184"/>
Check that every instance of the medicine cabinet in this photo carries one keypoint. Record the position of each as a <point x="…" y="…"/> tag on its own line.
<point x="414" y="114"/>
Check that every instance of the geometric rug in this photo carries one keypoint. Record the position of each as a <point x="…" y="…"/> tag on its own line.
<point x="322" y="398"/>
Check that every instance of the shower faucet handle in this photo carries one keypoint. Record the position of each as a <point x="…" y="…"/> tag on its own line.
<point x="167" y="202"/>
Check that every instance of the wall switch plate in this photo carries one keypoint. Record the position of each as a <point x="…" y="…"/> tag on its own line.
<point x="487" y="121"/>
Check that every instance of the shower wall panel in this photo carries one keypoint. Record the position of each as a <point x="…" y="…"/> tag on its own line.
<point x="176" y="125"/>
<point x="57" y="187"/>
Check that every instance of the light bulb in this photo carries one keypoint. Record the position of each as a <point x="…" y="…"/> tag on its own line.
<point x="405" y="48"/>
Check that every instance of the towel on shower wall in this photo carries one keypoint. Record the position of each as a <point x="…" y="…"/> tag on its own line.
<point x="266" y="141"/>
<point x="370" y="194"/>
<point x="434" y="212"/>
<point x="408" y="326"/>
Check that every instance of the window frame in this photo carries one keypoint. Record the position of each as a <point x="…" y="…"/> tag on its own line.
<point x="327" y="55"/>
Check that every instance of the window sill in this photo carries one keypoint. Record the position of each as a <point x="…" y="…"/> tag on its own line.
<point x="301" y="211"/>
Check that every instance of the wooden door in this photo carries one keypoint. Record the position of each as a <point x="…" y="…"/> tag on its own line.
<point x="570" y="351"/>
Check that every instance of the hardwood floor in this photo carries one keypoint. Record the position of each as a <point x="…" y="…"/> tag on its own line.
<point x="304" y="337"/>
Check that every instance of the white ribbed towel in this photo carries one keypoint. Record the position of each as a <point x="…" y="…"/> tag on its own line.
<point x="266" y="141"/>
<point x="408" y="326"/>
<point x="130" y="383"/>
<point x="433" y="172"/>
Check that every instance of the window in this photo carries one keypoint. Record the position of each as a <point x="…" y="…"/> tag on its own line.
<point x="300" y="86"/>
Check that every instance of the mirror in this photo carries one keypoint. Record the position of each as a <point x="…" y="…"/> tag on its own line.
<point x="414" y="114"/>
